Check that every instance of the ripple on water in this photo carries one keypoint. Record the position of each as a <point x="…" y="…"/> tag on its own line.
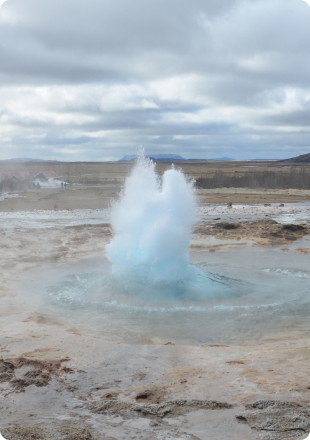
<point x="234" y="311"/>
<point x="298" y="273"/>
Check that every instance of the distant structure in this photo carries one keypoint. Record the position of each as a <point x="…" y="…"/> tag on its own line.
<point x="43" y="176"/>
<point x="17" y="180"/>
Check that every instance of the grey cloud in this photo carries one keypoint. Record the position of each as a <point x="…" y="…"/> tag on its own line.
<point x="85" y="39"/>
<point x="300" y="119"/>
<point x="224" y="75"/>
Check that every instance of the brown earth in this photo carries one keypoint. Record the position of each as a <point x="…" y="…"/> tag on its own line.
<point x="33" y="372"/>
<point x="269" y="230"/>
<point x="62" y="431"/>
<point x="92" y="185"/>
<point x="99" y="196"/>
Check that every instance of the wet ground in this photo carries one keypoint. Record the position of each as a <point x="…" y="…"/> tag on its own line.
<point x="81" y="361"/>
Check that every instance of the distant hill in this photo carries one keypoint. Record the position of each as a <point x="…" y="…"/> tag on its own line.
<point x="163" y="157"/>
<point x="24" y="159"/>
<point x="222" y="158"/>
<point x="262" y="159"/>
<point x="158" y="157"/>
<point x="304" y="158"/>
<point x="213" y="158"/>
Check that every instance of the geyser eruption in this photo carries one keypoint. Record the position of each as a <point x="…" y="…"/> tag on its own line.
<point x="152" y="223"/>
<point x="152" y="286"/>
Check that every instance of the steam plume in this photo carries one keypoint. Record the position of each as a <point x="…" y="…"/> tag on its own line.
<point x="152" y="223"/>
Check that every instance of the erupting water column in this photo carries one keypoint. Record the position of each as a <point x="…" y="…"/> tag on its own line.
<point x="152" y="223"/>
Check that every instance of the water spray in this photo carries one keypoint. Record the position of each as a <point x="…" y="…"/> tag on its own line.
<point x="152" y="223"/>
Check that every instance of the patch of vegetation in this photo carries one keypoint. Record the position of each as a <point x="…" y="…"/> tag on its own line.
<point x="293" y="178"/>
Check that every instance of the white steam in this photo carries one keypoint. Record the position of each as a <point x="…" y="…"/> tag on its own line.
<point x="50" y="183"/>
<point x="152" y="224"/>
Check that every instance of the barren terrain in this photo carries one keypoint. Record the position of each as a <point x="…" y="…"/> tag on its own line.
<point x="60" y="379"/>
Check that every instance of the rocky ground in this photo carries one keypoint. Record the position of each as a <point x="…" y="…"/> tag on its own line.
<point x="61" y="380"/>
<point x="262" y="232"/>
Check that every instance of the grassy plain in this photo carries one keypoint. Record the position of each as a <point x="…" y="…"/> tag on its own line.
<point x="92" y="184"/>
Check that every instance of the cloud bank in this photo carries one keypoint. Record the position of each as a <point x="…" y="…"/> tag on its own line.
<point x="92" y="80"/>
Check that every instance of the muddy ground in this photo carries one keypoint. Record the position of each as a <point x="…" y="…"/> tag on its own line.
<point x="60" y="380"/>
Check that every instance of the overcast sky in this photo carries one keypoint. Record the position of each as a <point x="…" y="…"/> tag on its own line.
<point x="95" y="79"/>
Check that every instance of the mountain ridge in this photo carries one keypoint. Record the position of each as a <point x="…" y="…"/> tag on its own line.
<point x="303" y="158"/>
<point x="130" y="157"/>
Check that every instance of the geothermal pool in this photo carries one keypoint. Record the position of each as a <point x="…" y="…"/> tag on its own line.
<point x="257" y="295"/>
<point x="149" y="289"/>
